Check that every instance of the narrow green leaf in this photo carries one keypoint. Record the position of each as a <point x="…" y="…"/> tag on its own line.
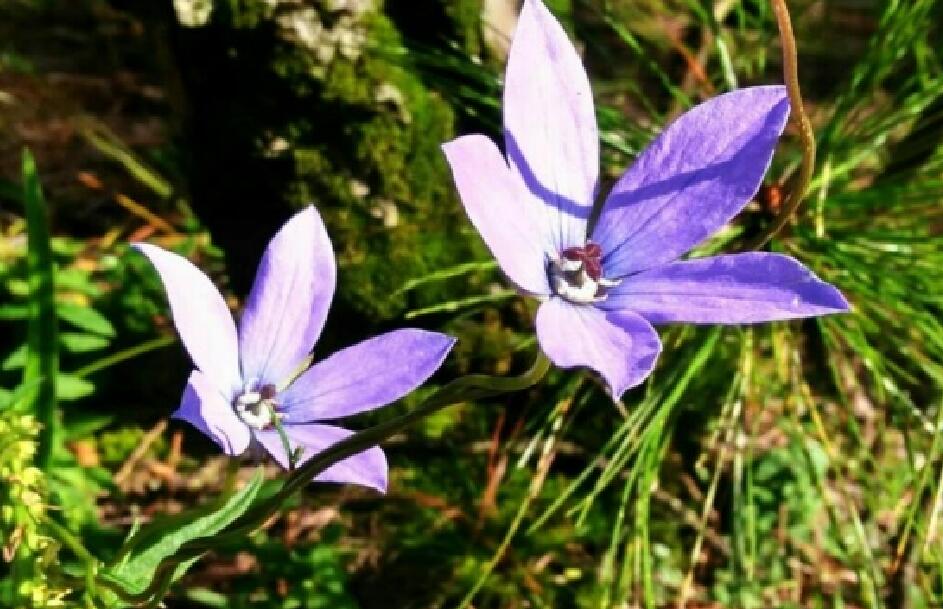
<point x="73" y="342"/>
<point x="77" y="342"/>
<point x="13" y="312"/>
<point x="15" y="360"/>
<point x="145" y="551"/>
<point x="13" y="399"/>
<point x="72" y="388"/>
<point x="99" y="136"/>
<point x="84" y="424"/>
<point x="77" y="280"/>
<point x="18" y="287"/>
<point x="462" y="303"/>
<point x="85" y="318"/>
<point x="42" y="362"/>
<point x="456" y="271"/>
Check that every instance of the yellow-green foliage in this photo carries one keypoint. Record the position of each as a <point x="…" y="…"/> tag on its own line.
<point x="22" y="504"/>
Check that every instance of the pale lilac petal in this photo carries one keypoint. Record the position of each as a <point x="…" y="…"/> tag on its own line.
<point x="619" y="345"/>
<point x="365" y="376"/>
<point x="368" y="468"/>
<point x="695" y="177"/>
<point x="201" y="317"/>
<point x="734" y="289"/>
<point x="508" y="217"/>
<point x="550" y="124"/>
<point x="286" y="309"/>
<point x="204" y="407"/>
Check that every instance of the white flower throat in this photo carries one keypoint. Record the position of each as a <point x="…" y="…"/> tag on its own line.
<point x="257" y="406"/>
<point x="576" y="276"/>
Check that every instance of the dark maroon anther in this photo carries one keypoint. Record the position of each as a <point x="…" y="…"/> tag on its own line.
<point x="577" y="275"/>
<point x="574" y="253"/>
<point x="268" y="392"/>
<point x="591" y="257"/>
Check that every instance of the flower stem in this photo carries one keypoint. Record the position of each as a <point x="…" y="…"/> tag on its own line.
<point x="466" y="388"/>
<point x="69" y="540"/>
<point x="806" y="135"/>
<point x="286" y="443"/>
<point x="126" y="354"/>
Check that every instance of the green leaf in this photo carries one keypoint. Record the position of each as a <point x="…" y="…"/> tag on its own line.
<point x="84" y="424"/>
<point x="106" y="142"/>
<point x="455" y="271"/>
<point x="13" y="312"/>
<point x="77" y="280"/>
<point x="73" y="342"/>
<point x="9" y="399"/>
<point x="144" y="552"/>
<point x="85" y="318"/>
<point x="18" y="287"/>
<point x="16" y="359"/>
<point x="42" y="360"/>
<point x="76" y="342"/>
<point x="72" y="388"/>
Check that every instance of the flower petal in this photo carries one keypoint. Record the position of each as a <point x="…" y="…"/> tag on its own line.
<point x="368" y="468"/>
<point x="619" y="345"/>
<point x="734" y="289"/>
<point x="365" y="376"/>
<point x="286" y="309"/>
<point x="508" y="217"/>
<point x="204" y="407"/>
<point x="695" y="177"/>
<point x="550" y="124"/>
<point x="201" y="317"/>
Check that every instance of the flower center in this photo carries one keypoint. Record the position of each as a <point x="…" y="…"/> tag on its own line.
<point x="257" y="406"/>
<point x="577" y="275"/>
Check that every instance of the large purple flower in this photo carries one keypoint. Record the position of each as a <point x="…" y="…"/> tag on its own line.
<point x="244" y="383"/>
<point x="604" y="289"/>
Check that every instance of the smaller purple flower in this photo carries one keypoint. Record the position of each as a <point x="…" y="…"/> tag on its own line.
<point x="245" y="382"/>
<point x="604" y="286"/>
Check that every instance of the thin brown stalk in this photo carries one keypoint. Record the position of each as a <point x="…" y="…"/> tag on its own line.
<point x="806" y="135"/>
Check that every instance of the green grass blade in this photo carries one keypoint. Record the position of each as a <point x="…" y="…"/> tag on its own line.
<point x="42" y="360"/>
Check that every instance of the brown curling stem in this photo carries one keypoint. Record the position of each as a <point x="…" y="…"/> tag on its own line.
<point x="806" y="135"/>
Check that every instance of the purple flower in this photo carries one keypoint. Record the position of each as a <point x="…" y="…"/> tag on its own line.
<point x="244" y="382"/>
<point x="604" y="286"/>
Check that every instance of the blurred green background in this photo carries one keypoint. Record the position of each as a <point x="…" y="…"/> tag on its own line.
<point x="785" y="465"/>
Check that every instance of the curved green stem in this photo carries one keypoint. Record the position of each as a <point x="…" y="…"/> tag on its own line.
<point x="69" y="540"/>
<point x="466" y="388"/>
<point x="121" y="356"/>
<point x="72" y="541"/>
<point x="806" y="134"/>
<point x="286" y="443"/>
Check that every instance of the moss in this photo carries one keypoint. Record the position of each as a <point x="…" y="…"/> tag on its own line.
<point x="319" y="102"/>
<point x="466" y="15"/>
<point x="368" y="154"/>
